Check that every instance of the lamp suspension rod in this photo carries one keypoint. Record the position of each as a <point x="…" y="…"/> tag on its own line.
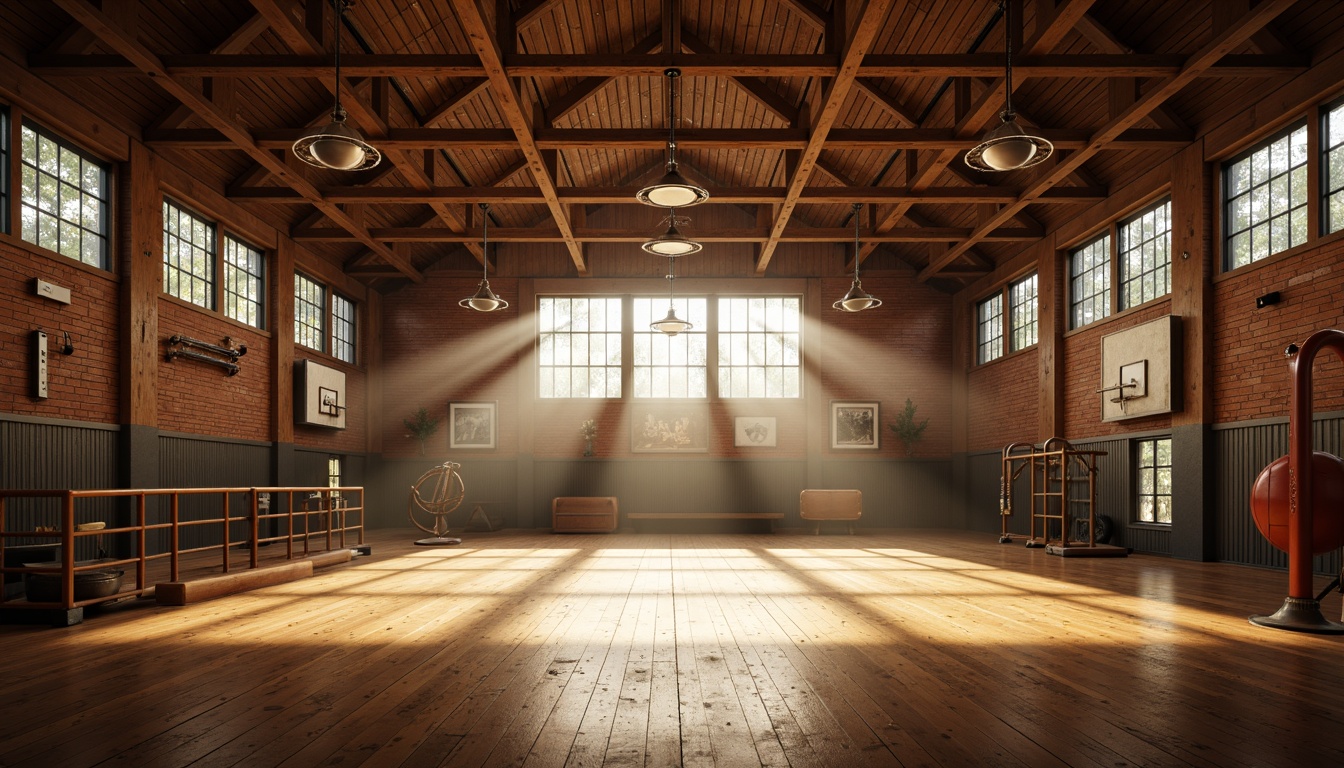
<point x="857" y="208"/>
<point x="672" y="75"/>
<point x="338" y="6"/>
<point x="1008" y="58"/>
<point x="485" y="241"/>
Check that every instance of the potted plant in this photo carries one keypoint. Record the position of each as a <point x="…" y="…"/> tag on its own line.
<point x="422" y="426"/>
<point x="907" y="431"/>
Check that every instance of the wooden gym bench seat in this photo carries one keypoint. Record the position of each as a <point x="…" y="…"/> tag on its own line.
<point x="818" y="506"/>
<point x="769" y="517"/>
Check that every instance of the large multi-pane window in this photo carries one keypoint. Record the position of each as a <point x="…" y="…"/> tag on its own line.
<point x="244" y="282"/>
<point x="1265" y="199"/>
<point x="1022" y="312"/>
<point x="758" y="345"/>
<point x="64" y="198"/>
<point x="188" y="256"/>
<point x="1090" y="281"/>
<point x="4" y="170"/>
<point x="1018" y="325"/>
<point x="989" y="329"/>
<point x="579" y="346"/>
<point x="310" y="311"/>
<point x="670" y="366"/>
<point x="1145" y="256"/>
<point x="342" y="328"/>
<point x="1133" y="253"/>
<point x="1153" y="480"/>
<point x="1332" y="176"/>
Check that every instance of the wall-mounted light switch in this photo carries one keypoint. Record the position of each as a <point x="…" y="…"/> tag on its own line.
<point x="51" y="291"/>
<point x="40" y="365"/>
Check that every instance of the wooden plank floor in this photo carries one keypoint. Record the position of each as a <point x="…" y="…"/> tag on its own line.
<point x="914" y="648"/>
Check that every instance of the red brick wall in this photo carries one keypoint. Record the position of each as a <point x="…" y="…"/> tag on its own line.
<point x="1251" y="378"/>
<point x="1082" y="377"/>
<point x="82" y="386"/>
<point x="436" y="353"/>
<point x="1003" y="402"/>
<point x="202" y="399"/>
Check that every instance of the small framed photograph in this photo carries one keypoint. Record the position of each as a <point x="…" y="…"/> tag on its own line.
<point x="669" y="427"/>
<point x="854" y="426"/>
<point x="472" y="425"/>
<point x="754" y="432"/>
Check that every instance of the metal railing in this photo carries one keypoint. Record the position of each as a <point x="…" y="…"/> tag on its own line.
<point x="315" y="518"/>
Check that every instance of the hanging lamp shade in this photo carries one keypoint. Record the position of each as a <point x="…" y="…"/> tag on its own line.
<point x="671" y="325"/>
<point x="1007" y="147"/>
<point x="484" y="300"/>
<point x="337" y="146"/>
<point x="672" y="190"/>
<point x="672" y="242"/>
<point x="856" y="299"/>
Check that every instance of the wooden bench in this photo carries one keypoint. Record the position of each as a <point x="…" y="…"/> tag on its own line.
<point x="819" y="505"/>
<point x="769" y="517"/>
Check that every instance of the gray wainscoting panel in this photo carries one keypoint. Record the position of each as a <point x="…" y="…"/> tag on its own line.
<point x="200" y="462"/>
<point x="1243" y="451"/>
<point x="900" y="494"/>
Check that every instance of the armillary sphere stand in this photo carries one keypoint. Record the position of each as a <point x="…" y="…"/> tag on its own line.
<point x="438" y="492"/>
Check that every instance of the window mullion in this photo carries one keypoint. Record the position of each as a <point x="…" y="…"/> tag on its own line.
<point x="712" y="348"/>
<point x="627" y="346"/>
<point x="1315" y="184"/>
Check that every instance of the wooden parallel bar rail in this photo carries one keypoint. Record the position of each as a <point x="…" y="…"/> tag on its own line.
<point x="332" y="509"/>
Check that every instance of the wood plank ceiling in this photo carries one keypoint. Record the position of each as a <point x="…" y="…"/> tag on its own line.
<point x="554" y="112"/>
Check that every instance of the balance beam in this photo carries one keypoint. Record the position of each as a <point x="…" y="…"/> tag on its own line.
<point x="197" y="590"/>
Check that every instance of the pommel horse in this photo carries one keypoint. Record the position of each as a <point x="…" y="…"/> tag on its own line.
<point x="1302" y="513"/>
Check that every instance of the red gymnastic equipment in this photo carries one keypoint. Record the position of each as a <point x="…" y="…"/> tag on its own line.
<point x="1298" y="500"/>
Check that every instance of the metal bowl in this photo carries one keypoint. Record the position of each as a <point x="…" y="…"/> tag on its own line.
<point x="46" y="587"/>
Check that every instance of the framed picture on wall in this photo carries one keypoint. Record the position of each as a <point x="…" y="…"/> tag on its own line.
<point x="472" y="425"/>
<point x="669" y="427"/>
<point x="755" y="432"/>
<point x="854" y="425"/>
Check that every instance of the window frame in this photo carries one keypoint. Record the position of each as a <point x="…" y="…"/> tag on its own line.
<point x="6" y="153"/>
<point x="1112" y="233"/>
<point x="321" y="313"/>
<point x="1003" y="342"/>
<point x="220" y="269"/>
<point x="338" y="338"/>
<point x="621" y="345"/>
<point x="720" y="330"/>
<point x="629" y="330"/>
<point x="260" y="277"/>
<point x="1312" y="202"/>
<point x="675" y="345"/>
<point x="105" y="199"/>
<point x="1137" y="484"/>
<point x="1106" y="267"/>
<point x="211" y="279"/>
<point x="1322" y="156"/>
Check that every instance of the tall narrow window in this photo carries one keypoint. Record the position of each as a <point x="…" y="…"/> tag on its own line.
<point x="1022" y="317"/>
<point x="64" y="198"/>
<point x="579" y="347"/>
<point x="1090" y="281"/>
<point x="1145" y="256"/>
<point x="188" y="256"/>
<point x="310" y="306"/>
<point x="1266" y="200"/>
<point x="758" y="343"/>
<point x="244" y="279"/>
<point x="670" y="366"/>
<point x="342" y="328"/>
<point x="1153" y="492"/>
<point x="989" y="329"/>
<point x="1332" y="147"/>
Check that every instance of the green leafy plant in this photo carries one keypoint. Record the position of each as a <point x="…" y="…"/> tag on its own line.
<point x="422" y="426"/>
<point x="907" y="431"/>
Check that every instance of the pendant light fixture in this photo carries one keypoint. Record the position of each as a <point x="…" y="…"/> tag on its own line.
<point x="671" y="325"/>
<point x="672" y="242"/>
<point x="484" y="300"/>
<point x="672" y="191"/>
<point x="857" y="299"/>
<point x="337" y="146"/>
<point x="1007" y="147"/>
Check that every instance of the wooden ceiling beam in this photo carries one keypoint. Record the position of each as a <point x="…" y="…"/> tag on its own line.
<point x="809" y="13"/>
<point x="530" y="11"/>
<point x="128" y="46"/>
<point x="626" y="195"/>
<point x="886" y="102"/>
<point x="408" y="65"/>
<point x="510" y="107"/>
<point x="792" y="234"/>
<point x="1104" y="40"/>
<point x="455" y="100"/>
<point x="402" y="139"/>
<point x="1234" y="35"/>
<point x="867" y="25"/>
